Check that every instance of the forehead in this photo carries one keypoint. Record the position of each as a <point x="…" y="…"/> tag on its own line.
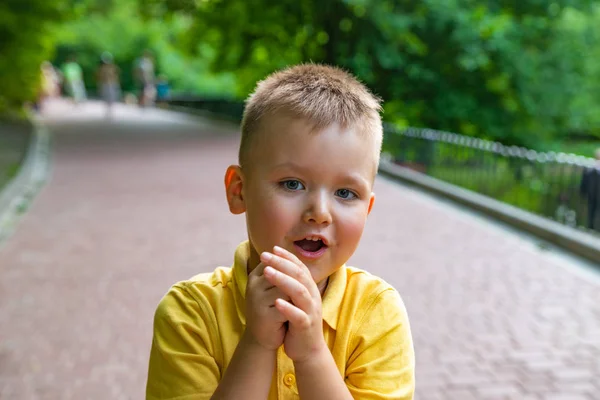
<point x="282" y="138"/>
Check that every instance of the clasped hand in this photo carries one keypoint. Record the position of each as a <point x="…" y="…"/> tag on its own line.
<point x="284" y="306"/>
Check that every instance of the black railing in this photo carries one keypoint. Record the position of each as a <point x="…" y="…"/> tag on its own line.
<point x="224" y="108"/>
<point x="563" y="187"/>
<point x="547" y="184"/>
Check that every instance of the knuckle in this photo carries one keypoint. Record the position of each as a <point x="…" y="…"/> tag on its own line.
<point x="304" y="323"/>
<point x="299" y="272"/>
<point x="300" y="291"/>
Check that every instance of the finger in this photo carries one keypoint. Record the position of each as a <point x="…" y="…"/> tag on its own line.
<point x="266" y="291"/>
<point x="274" y="293"/>
<point x="297" y="271"/>
<point x="293" y="314"/>
<point x="280" y="251"/>
<point x="258" y="285"/>
<point x="298" y="293"/>
<point x="282" y="264"/>
<point x="288" y="267"/>
<point x="276" y="314"/>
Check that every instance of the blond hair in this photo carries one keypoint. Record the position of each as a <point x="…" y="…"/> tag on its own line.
<point x="321" y="94"/>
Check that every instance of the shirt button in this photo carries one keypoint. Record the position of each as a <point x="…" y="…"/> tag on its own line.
<point x="289" y="380"/>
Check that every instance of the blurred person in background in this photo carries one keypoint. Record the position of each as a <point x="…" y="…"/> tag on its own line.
<point x="49" y="84"/>
<point x="73" y="80"/>
<point x="590" y="189"/>
<point x="145" y="79"/>
<point x="107" y="77"/>
<point x="130" y="98"/>
<point x="162" y="90"/>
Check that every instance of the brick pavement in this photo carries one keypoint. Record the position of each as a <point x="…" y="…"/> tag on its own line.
<point x="136" y="204"/>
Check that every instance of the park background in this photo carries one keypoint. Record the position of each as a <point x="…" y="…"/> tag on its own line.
<point x="99" y="216"/>
<point x="523" y="73"/>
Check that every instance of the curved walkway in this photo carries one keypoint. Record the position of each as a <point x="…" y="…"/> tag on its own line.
<point x="137" y="203"/>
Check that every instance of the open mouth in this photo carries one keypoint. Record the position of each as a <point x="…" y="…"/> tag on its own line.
<point x="311" y="247"/>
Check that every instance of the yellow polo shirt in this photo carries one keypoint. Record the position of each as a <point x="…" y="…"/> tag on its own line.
<point x="199" y="323"/>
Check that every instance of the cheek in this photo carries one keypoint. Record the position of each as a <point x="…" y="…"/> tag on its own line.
<point x="272" y="207"/>
<point x="269" y="218"/>
<point x="351" y="223"/>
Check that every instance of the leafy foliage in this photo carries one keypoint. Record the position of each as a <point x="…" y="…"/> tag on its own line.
<point x="119" y="28"/>
<point x="509" y="70"/>
<point x="32" y="31"/>
<point x="25" y="41"/>
<point x="522" y="72"/>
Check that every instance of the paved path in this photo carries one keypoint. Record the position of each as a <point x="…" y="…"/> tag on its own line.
<point x="137" y="203"/>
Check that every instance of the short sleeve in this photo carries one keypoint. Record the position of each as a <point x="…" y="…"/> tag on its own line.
<point x="181" y="363"/>
<point x="381" y="365"/>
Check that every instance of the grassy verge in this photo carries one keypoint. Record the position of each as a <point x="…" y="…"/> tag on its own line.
<point x="550" y="189"/>
<point x="14" y="141"/>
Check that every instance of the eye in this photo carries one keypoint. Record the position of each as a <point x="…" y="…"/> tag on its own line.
<point x="346" y="194"/>
<point x="292" y="185"/>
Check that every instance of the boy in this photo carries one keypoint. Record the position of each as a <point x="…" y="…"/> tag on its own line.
<point x="311" y="139"/>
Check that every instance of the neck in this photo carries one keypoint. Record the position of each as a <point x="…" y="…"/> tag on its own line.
<point x="254" y="259"/>
<point x="323" y="286"/>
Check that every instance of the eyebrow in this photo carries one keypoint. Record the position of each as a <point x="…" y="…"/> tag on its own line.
<point x="356" y="179"/>
<point x="290" y="165"/>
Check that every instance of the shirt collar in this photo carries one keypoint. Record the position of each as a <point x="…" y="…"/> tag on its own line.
<point x="332" y="297"/>
<point x="240" y="278"/>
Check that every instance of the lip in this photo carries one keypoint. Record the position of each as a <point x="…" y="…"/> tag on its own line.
<point x="323" y="238"/>
<point x="311" y="255"/>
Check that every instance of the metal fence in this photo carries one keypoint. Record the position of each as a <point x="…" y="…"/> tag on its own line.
<point x="563" y="187"/>
<point x="224" y="108"/>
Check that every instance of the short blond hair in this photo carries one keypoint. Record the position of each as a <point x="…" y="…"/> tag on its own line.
<point x="321" y="94"/>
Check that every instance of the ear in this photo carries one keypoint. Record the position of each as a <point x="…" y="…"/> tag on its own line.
<point x="234" y="181"/>
<point x="371" y="202"/>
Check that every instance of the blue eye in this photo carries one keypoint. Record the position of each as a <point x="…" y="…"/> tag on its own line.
<point x="292" y="185"/>
<point x="346" y="194"/>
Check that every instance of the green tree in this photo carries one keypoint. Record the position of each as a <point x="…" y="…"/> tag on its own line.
<point x="492" y="69"/>
<point x="26" y="40"/>
<point x="119" y="28"/>
<point x="580" y="41"/>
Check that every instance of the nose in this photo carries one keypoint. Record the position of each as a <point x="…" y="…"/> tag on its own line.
<point x="318" y="210"/>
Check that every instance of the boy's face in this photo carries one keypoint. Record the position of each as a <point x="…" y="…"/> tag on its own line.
<point x="300" y="186"/>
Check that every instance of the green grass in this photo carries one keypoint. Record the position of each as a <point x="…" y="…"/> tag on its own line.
<point x="14" y="140"/>
<point x="537" y="190"/>
<point x="548" y="189"/>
